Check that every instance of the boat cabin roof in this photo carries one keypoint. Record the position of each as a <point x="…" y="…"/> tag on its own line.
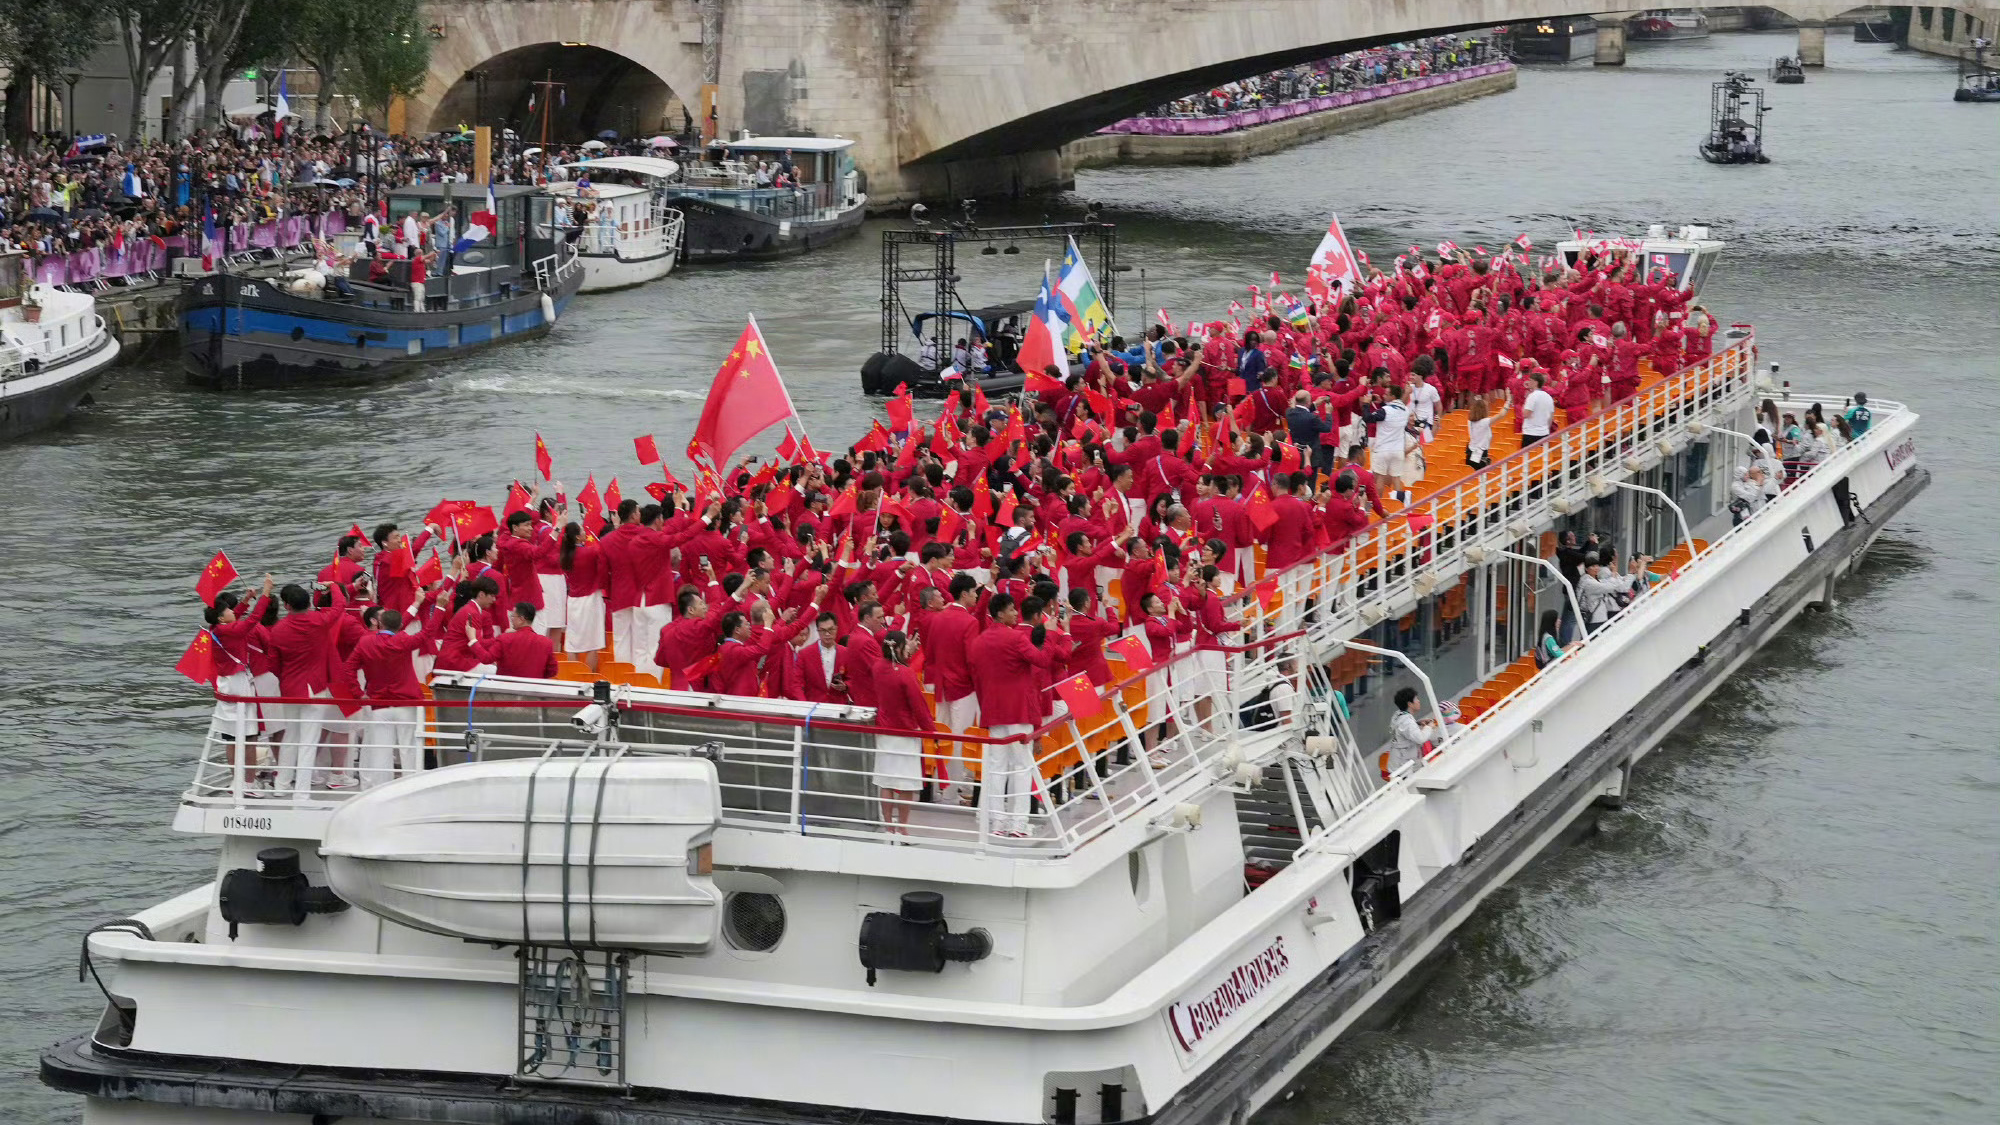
<point x="601" y="191"/>
<point x="460" y="192"/>
<point x="652" y="166"/>
<point x="780" y="144"/>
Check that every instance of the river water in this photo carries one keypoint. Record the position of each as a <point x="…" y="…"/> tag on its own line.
<point x="1794" y="918"/>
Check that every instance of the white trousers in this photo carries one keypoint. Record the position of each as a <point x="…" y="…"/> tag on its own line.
<point x="299" y="755"/>
<point x="1006" y="779"/>
<point x="959" y="716"/>
<point x="583" y="624"/>
<point x="391" y="742"/>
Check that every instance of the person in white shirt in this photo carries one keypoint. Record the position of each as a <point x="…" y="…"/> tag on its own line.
<point x="1425" y="405"/>
<point x="1385" y="448"/>
<point x="1479" y="440"/>
<point x="1538" y="411"/>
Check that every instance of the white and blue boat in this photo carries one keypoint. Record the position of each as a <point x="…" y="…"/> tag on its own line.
<point x="308" y="328"/>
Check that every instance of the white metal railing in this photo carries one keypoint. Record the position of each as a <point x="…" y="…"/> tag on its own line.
<point x="1840" y="462"/>
<point x="14" y="358"/>
<point x="644" y="237"/>
<point x="1162" y="739"/>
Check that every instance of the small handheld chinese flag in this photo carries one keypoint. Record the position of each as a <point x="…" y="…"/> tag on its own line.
<point x="544" y="464"/>
<point x="1260" y="511"/>
<point x="517" y="500"/>
<point x="699" y="670"/>
<point x="1080" y="696"/>
<point x="431" y="571"/>
<point x="215" y="578"/>
<point x="588" y="501"/>
<point x="788" y="449"/>
<point x="658" y="491"/>
<point x="844" y="504"/>
<point x="1138" y="658"/>
<point x="649" y="453"/>
<point x="1267" y="593"/>
<point x="612" y="497"/>
<point x="357" y="533"/>
<point x="401" y="562"/>
<point x="198" y="662"/>
<point x="902" y="411"/>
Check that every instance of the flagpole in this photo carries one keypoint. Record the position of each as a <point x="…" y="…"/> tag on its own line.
<point x="793" y="418"/>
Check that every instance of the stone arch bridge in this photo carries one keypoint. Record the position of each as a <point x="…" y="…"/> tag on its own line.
<point x="943" y="97"/>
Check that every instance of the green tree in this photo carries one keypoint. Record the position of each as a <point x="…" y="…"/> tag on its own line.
<point x="39" y="40"/>
<point x="393" y="65"/>
<point x="153" y="31"/>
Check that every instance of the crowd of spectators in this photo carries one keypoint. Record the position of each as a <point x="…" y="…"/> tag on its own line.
<point x="1352" y="71"/>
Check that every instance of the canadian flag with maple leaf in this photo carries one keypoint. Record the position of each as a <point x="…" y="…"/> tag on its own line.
<point x="747" y="397"/>
<point x="1333" y="261"/>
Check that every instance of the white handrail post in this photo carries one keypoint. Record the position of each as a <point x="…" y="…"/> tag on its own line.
<point x="1552" y="568"/>
<point x="1430" y="692"/>
<point x="1687" y="536"/>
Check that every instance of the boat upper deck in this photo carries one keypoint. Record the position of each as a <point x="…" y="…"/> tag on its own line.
<point x="795" y="777"/>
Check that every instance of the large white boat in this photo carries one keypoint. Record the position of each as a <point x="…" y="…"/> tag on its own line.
<point x="1674" y="23"/>
<point x="54" y="349"/>
<point x="629" y="235"/>
<point x="617" y="903"/>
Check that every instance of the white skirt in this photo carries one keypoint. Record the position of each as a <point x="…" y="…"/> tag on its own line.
<point x="1203" y="675"/>
<point x="555" y="598"/>
<point x="1158" y="707"/>
<point x="233" y="719"/>
<point x="584" y="631"/>
<point x="899" y="762"/>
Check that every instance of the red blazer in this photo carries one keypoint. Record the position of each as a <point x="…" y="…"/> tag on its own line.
<point x="1007" y="672"/>
<point x="683" y="644"/>
<point x="520" y="652"/>
<point x="808" y="678"/>
<point x="383" y="658"/>
<point x="899" y="700"/>
<point x="302" y="644"/>
<point x="456" y="654"/>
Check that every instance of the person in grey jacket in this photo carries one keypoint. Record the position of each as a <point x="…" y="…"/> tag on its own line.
<point x="1597" y="591"/>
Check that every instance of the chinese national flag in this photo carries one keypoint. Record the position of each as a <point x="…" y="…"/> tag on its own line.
<point x="1288" y="457"/>
<point x="673" y="482"/>
<point x="908" y="456"/>
<point x="401" y="562"/>
<point x="1267" y="593"/>
<point x="657" y="491"/>
<point x="1080" y="696"/>
<point x="544" y="464"/>
<point x="902" y="412"/>
<point x="843" y="505"/>
<point x="1100" y="404"/>
<point x="215" y="578"/>
<point x="1007" y="506"/>
<point x="765" y="475"/>
<point x="517" y="500"/>
<point x="357" y="533"/>
<point x="949" y="522"/>
<point x="471" y="523"/>
<point x="788" y="449"/>
<point x="1236" y="387"/>
<point x="1038" y="383"/>
<point x="588" y="502"/>
<point x="198" y="662"/>
<point x="876" y="438"/>
<point x="649" y="452"/>
<point x="431" y="571"/>
<point x="1138" y="658"/>
<point x="778" y="500"/>
<point x="979" y="404"/>
<point x="699" y="670"/>
<point x="1261" y="512"/>
<point x="747" y="396"/>
<point x="612" y="497"/>
<point x="982" y="498"/>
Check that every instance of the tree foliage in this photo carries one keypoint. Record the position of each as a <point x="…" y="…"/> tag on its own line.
<point x="43" y="38"/>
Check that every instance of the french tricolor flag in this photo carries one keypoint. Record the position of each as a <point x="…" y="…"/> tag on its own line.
<point x="480" y="225"/>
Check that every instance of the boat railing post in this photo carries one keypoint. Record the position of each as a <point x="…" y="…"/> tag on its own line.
<point x="795" y="820"/>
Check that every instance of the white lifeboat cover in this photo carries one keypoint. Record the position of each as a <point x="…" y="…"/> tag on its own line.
<point x="559" y="851"/>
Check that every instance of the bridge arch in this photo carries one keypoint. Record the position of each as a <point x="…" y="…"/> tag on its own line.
<point x="620" y="71"/>
<point x="1063" y="78"/>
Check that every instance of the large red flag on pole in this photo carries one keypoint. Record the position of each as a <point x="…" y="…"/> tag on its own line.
<point x="747" y="397"/>
<point x="1333" y="261"/>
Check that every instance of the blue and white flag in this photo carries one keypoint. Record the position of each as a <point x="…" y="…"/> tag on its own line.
<point x="284" y="109"/>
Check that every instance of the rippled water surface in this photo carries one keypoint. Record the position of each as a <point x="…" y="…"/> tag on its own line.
<point x="1793" y="920"/>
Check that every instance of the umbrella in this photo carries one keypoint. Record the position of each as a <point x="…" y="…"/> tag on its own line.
<point x="593" y="145"/>
<point x="608" y="135"/>
<point x="344" y="182"/>
<point x="254" y="109"/>
<point x="664" y="142"/>
<point x="45" y="215"/>
<point x="531" y="152"/>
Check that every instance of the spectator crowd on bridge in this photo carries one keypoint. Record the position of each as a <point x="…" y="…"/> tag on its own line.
<point x="1351" y="71"/>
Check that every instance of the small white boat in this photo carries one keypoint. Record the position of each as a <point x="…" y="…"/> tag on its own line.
<point x="54" y="348"/>
<point x="629" y="235"/>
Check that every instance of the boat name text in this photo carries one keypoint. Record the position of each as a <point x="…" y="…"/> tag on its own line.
<point x="1901" y="453"/>
<point x="1197" y="1019"/>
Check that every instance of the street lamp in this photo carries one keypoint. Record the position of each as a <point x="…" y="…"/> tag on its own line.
<point x="478" y="97"/>
<point x="1478" y="556"/>
<point x="70" y="78"/>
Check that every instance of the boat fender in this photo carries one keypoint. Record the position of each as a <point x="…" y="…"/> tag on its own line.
<point x="917" y="939"/>
<point x="548" y="309"/>
<point x="276" y="894"/>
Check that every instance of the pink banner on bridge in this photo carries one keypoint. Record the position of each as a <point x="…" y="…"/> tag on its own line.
<point x="1265" y="115"/>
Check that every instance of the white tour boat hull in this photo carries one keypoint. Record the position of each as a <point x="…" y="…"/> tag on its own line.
<point x="1166" y="993"/>
<point x="605" y="272"/>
